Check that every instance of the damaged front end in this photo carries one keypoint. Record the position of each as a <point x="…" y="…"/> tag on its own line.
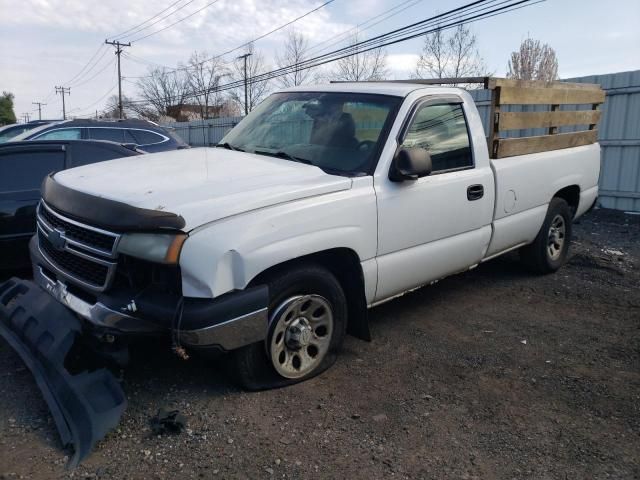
<point x="94" y="289"/>
<point x="85" y="406"/>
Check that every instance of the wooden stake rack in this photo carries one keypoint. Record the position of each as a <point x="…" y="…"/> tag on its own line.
<point x="506" y="91"/>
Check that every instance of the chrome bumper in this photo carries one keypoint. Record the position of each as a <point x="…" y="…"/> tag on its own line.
<point x="226" y="331"/>
<point x="98" y="314"/>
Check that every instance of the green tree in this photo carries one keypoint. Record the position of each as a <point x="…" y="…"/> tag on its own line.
<point x="7" y="115"/>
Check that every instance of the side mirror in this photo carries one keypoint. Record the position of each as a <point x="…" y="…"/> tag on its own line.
<point x="410" y="164"/>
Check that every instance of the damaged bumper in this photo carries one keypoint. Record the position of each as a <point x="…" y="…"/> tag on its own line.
<point x="227" y="322"/>
<point x="42" y="331"/>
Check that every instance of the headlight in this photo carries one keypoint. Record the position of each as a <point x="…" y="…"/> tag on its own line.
<point x="154" y="247"/>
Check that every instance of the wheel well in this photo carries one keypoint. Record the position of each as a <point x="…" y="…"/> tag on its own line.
<point x="571" y="195"/>
<point x="344" y="263"/>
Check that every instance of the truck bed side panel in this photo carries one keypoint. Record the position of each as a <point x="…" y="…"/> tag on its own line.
<point x="526" y="184"/>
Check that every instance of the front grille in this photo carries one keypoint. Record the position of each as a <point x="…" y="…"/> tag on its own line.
<point x="87" y="236"/>
<point x="80" y="268"/>
<point x="81" y="253"/>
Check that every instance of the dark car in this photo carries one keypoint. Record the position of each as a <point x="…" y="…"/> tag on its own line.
<point x="146" y="135"/>
<point x="8" y="132"/>
<point x="23" y="166"/>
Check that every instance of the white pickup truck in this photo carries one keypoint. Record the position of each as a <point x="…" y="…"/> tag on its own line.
<point x="323" y="202"/>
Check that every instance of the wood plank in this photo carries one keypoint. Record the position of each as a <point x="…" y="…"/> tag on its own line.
<point x="510" y="147"/>
<point x="513" y="83"/>
<point x="542" y="96"/>
<point x="521" y="120"/>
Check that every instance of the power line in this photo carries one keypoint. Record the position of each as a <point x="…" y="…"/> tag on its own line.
<point x="113" y="87"/>
<point x="113" y="76"/>
<point x="159" y="20"/>
<point x="455" y="17"/>
<point x="106" y="65"/>
<point x="143" y="61"/>
<point x="250" y="41"/>
<point x="361" y="26"/>
<point x="80" y="72"/>
<point x="270" y="32"/>
<point x="135" y="27"/>
<point x="81" y="79"/>
<point x="174" y="23"/>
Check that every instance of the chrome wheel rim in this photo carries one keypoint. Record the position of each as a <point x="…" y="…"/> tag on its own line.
<point x="556" y="238"/>
<point x="301" y="336"/>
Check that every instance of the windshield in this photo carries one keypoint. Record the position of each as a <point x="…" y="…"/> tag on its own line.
<point x="34" y="131"/>
<point x="12" y="131"/>
<point x="338" y="132"/>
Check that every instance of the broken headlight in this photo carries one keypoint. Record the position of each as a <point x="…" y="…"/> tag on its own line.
<point x="153" y="247"/>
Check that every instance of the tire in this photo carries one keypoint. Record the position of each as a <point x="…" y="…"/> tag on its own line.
<point x="550" y="249"/>
<point x="307" y="322"/>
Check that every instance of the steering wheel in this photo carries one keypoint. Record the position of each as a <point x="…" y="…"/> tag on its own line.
<point x="366" y="145"/>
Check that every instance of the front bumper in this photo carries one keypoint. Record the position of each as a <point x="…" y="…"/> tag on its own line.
<point x="229" y="322"/>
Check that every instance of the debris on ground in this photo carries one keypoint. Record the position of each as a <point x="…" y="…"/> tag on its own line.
<point x="168" y="421"/>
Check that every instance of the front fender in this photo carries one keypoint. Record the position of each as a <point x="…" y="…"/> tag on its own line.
<point x="227" y="255"/>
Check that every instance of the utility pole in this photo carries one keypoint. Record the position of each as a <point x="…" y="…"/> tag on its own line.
<point x="40" y="104"/>
<point x="63" y="91"/>
<point x="26" y="117"/>
<point x="119" y="46"/>
<point x="246" y="95"/>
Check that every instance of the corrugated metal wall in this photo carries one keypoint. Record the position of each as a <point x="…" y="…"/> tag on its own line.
<point x="619" y="136"/>
<point x="618" y="133"/>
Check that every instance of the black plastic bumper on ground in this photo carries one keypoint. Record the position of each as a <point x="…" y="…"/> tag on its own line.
<point x="84" y="406"/>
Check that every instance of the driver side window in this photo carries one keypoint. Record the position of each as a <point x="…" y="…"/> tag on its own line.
<point x="442" y="131"/>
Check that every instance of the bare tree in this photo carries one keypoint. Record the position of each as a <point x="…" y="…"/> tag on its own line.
<point x="451" y="56"/>
<point x="256" y="90"/>
<point x="165" y="91"/>
<point x="361" y="66"/>
<point x="204" y="75"/>
<point x="130" y="108"/>
<point x="293" y="54"/>
<point x="534" y="61"/>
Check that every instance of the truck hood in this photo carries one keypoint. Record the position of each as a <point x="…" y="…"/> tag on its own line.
<point x="202" y="184"/>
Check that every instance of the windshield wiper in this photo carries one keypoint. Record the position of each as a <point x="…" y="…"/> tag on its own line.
<point x="285" y="155"/>
<point x="228" y="146"/>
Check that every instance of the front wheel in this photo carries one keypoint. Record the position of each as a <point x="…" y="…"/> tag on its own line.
<point x="550" y="249"/>
<point x="307" y="323"/>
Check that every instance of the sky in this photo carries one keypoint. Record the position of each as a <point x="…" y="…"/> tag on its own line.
<point x="48" y="42"/>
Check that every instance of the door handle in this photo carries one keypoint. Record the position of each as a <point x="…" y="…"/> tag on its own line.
<point x="475" y="192"/>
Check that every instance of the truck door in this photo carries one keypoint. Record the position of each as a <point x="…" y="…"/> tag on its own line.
<point x="441" y="223"/>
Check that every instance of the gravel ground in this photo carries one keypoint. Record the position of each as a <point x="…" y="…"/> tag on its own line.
<point x="494" y="373"/>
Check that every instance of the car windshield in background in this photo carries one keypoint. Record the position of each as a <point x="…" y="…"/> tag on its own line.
<point x="337" y="132"/>
<point x="11" y="131"/>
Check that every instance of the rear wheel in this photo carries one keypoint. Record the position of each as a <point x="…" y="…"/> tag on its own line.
<point x="307" y="320"/>
<point x="550" y="249"/>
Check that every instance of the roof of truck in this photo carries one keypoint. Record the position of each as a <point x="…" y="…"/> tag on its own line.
<point x="397" y="89"/>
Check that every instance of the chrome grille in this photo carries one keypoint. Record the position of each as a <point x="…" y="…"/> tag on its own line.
<point x="91" y="238"/>
<point x="81" y="253"/>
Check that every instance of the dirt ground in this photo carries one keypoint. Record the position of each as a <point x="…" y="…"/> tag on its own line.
<point x="494" y="373"/>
